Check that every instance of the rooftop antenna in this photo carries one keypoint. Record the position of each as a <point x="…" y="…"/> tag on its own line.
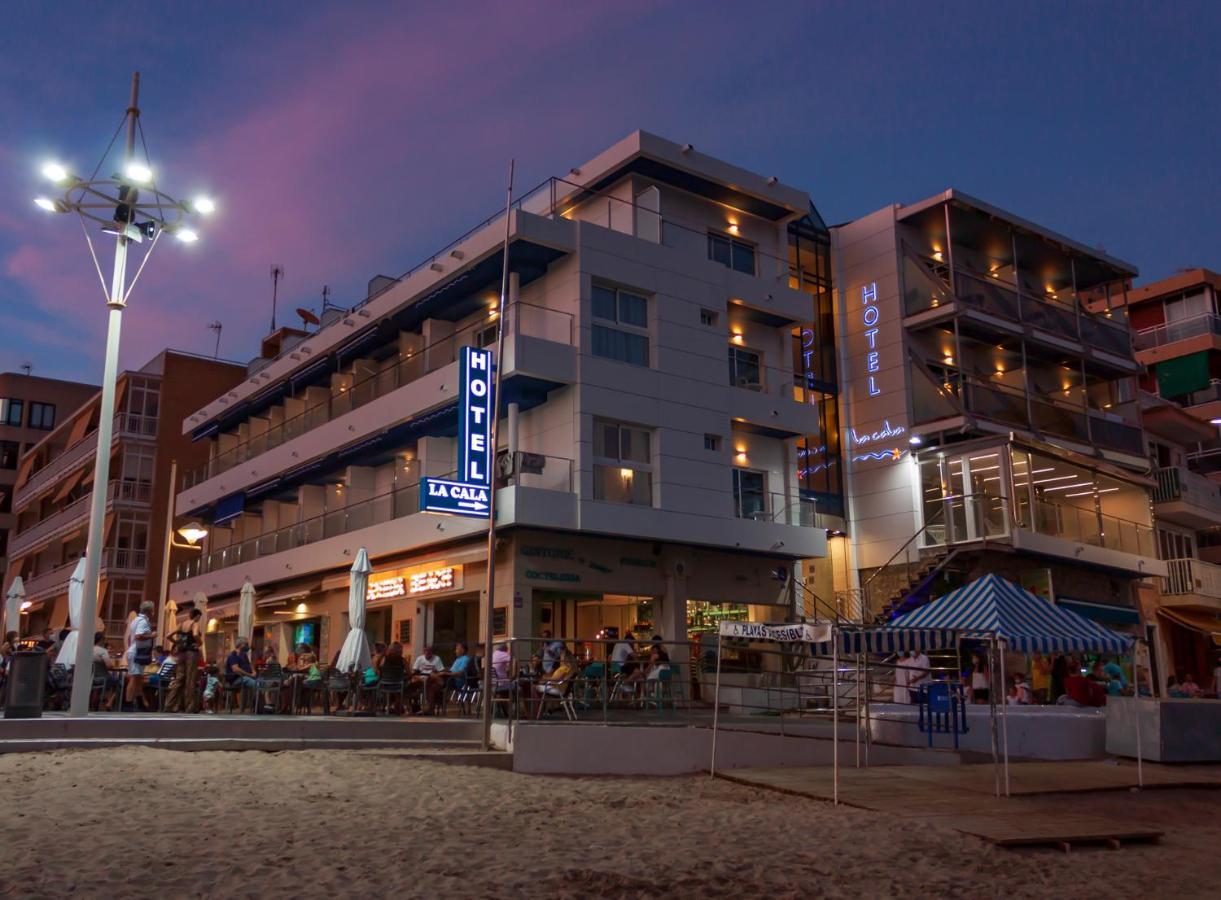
<point x="27" y="368"/>
<point x="277" y="272"/>
<point x="216" y="326"/>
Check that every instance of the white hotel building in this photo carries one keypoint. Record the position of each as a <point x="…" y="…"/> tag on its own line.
<point x="643" y="486"/>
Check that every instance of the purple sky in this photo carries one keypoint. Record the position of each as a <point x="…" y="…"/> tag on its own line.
<point x="346" y="140"/>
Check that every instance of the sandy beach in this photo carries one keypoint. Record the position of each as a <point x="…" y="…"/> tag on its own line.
<point x="137" y="822"/>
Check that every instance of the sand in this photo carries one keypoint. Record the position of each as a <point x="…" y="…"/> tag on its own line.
<point x="156" y="823"/>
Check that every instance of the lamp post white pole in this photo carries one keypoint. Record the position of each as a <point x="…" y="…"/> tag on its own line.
<point x="82" y="676"/>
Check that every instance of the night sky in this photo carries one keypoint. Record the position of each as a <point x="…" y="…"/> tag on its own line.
<point x="348" y="139"/>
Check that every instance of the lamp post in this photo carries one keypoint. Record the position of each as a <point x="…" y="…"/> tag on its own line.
<point x="129" y="206"/>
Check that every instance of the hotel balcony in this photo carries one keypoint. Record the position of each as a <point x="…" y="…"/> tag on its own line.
<point x="75" y="516"/>
<point x="1191" y="583"/>
<point x="770" y="401"/>
<point x="1187" y="499"/>
<point x="126" y="426"/>
<point x="1175" y="339"/>
<point x="538" y="356"/>
<point x="54" y="582"/>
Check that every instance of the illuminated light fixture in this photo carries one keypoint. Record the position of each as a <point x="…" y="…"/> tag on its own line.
<point x="186" y="235"/>
<point x="26" y="605"/>
<point x="949" y="360"/>
<point x="138" y="172"/>
<point x="46" y="203"/>
<point x="204" y="205"/>
<point x="301" y="607"/>
<point x="1070" y="487"/>
<point x="193" y="533"/>
<point x="733" y="227"/>
<point x="626" y="474"/>
<point x="53" y="171"/>
<point x="1214" y="421"/>
<point x="1057" y="478"/>
<point x="492" y="313"/>
<point x="1037" y="471"/>
<point x="915" y="440"/>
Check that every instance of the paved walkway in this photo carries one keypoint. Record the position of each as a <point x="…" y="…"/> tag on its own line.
<point x="963" y="798"/>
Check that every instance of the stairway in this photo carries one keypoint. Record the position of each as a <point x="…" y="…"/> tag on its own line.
<point x="919" y="589"/>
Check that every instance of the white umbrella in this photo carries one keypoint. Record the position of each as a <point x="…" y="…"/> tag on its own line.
<point x="245" y="609"/>
<point x="355" y="651"/>
<point x="76" y="595"/>
<point x="12" y="608"/>
<point x="201" y="603"/>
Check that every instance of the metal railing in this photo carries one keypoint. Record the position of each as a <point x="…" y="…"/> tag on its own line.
<point x="554" y="473"/>
<point x="1177" y="483"/>
<point x="1170" y="332"/>
<point x="62" y="519"/>
<point x="349" y="392"/>
<point x="1191" y="576"/>
<point x="1087" y="526"/>
<point x="785" y="509"/>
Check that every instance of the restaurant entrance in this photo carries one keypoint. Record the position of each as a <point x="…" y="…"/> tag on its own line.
<point x="453" y="621"/>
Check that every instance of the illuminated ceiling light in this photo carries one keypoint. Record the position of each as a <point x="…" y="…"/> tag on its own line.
<point x="53" y="171"/>
<point x="733" y="227"/>
<point x="915" y="440"/>
<point x="301" y="607"/>
<point x="626" y="474"/>
<point x="138" y="172"/>
<point x="193" y="532"/>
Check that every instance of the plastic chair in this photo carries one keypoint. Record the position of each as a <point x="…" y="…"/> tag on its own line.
<point x="593" y="682"/>
<point x="659" y="691"/>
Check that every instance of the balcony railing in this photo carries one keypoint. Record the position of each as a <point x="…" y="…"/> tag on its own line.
<point x="1086" y="526"/>
<point x="135" y="492"/>
<point x="1191" y="576"/>
<point x="780" y="508"/>
<point x="546" y="472"/>
<point x="126" y="425"/>
<point x="1176" y="483"/>
<point x="1169" y="333"/>
<point x="533" y="321"/>
<point x="48" y="583"/>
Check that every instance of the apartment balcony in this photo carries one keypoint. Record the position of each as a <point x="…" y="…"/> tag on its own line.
<point x="76" y="515"/>
<point x="1048" y="529"/>
<point x="1174" y="339"/>
<point x="540" y="493"/>
<point x="1191" y="582"/>
<point x="126" y="426"/>
<point x="540" y="352"/>
<point x="1187" y="499"/>
<point x="771" y="401"/>
<point x="115" y="561"/>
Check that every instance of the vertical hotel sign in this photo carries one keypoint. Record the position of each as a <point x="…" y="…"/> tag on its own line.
<point x="470" y="494"/>
<point x="881" y="443"/>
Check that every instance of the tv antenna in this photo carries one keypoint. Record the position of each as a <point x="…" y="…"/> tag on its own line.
<point x="277" y="272"/>
<point x="27" y="368"/>
<point x="216" y="326"/>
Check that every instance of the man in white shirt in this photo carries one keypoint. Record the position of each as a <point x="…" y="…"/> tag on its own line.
<point x="432" y="668"/>
<point x="139" y="641"/>
<point x="920" y="674"/>
<point x="903" y="673"/>
<point x="552" y="651"/>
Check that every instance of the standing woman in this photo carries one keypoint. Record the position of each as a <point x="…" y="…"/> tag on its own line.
<point x="187" y="640"/>
<point x="979" y="679"/>
<point x="139" y="654"/>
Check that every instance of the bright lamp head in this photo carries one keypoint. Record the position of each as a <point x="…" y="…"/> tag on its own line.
<point x="193" y="532"/>
<point x="53" y="171"/>
<point x="186" y="235"/>
<point x="138" y="172"/>
<point x="203" y="205"/>
<point x="46" y="203"/>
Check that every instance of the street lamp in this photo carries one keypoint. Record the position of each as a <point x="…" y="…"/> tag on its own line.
<point x="130" y="206"/>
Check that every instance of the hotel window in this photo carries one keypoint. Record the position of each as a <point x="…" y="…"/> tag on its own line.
<point x="10" y="412"/>
<point x="623" y="463"/>
<point x="42" y="415"/>
<point x="712" y="442"/>
<point x="486" y="337"/>
<point x="708" y="317"/>
<point x="745" y="368"/>
<point x="731" y="253"/>
<point x="750" y="494"/>
<point x="9" y="451"/>
<point x="620" y="326"/>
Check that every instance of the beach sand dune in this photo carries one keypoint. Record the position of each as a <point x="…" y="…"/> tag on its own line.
<point x="138" y="822"/>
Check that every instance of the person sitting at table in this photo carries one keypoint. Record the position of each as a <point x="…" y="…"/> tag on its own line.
<point x="429" y="667"/>
<point x="101" y="656"/>
<point x="460" y="670"/>
<point x="622" y="654"/>
<point x="1079" y="691"/>
<point x="1189" y="687"/>
<point x="238" y="669"/>
<point x="553" y="684"/>
<point x="659" y="661"/>
<point x="553" y="651"/>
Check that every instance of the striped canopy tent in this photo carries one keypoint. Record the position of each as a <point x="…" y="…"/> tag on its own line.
<point x="1027" y="623"/>
<point x="887" y="640"/>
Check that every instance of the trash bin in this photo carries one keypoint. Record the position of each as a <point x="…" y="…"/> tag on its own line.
<point x="27" y="685"/>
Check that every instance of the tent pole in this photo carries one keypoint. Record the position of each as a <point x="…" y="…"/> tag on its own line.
<point x="1000" y="653"/>
<point x="868" y="720"/>
<point x="1140" y="773"/>
<point x="835" y="714"/>
<point x="996" y="764"/>
<point x="716" y="702"/>
<point x="858" y="711"/>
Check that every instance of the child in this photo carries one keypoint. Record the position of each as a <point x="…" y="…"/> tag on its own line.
<point x="211" y="690"/>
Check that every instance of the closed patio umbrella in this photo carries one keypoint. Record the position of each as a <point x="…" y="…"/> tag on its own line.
<point x="354" y="655"/>
<point x="201" y="603"/>
<point x="76" y="595"/>
<point x="245" y="609"/>
<point x="12" y="606"/>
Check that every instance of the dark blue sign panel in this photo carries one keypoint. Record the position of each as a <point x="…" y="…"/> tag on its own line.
<point x="475" y="416"/>
<point x="454" y="497"/>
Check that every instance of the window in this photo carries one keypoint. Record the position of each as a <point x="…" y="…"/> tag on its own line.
<point x="621" y="325"/>
<point x="623" y="463"/>
<point x="750" y="494"/>
<point x="486" y="337"/>
<point x="9" y="451"/>
<point x="712" y="442"/>
<point x="42" y="415"/>
<point x="708" y="317"/>
<point x="732" y="253"/>
<point x="745" y="368"/>
<point x="10" y="412"/>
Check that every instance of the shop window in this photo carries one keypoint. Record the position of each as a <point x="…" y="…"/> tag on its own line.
<point x="42" y="416"/>
<point x="750" y="494"/>
<point x="620" y="325"/>
<point x="731" y="253"/>
<point x="623" y="463"/>
<point x="10" y="412"/>
<point x="745" y="368"/>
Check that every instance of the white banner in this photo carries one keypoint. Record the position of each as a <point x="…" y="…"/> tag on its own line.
<point x="759" y="631"/>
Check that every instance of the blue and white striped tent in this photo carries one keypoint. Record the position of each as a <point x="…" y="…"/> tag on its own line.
<point x="1028" y="623"/>
<point x="886" y="640"/>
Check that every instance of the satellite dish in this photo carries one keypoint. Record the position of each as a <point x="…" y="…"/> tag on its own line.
<point x="307" y="317"/>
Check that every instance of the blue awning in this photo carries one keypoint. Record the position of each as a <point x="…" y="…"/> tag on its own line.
<point x="1102" y="612"/>
<point x="229" y="508"/>
<point x="1028" y="623"/>
<point x="888" y="640"/>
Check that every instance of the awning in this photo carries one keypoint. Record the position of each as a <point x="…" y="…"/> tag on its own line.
<point x="887" y="640"/>
<point x="1028" y="623"/>
<point x="228" y="508"/>
<point x="1195" y="619"/>
<point x="1102" y="612"/>
<point x="284" y="596"/>
<point x="66" y="486"/>
<point x="1183" y="375"/>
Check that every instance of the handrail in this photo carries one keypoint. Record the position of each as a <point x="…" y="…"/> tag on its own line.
<point x="878" y="571"/>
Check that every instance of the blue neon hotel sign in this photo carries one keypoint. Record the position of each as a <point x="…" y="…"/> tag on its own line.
<point x="470" y="493"/>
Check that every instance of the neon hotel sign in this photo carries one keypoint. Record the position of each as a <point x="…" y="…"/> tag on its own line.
<point x="469" y="495"/>
<point x="870" y="315"/>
